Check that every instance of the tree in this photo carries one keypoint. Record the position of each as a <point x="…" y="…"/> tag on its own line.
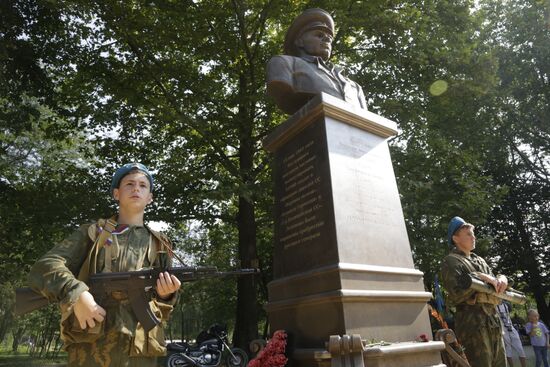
<point x="519" y="33"/>
<point x="422" y="64"/>
<point x="182" y="96"/>
<point x="43" y="165"/>
<point x="179" y="86"/>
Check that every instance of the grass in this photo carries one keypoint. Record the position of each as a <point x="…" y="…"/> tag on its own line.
<point x="10" y="359"/>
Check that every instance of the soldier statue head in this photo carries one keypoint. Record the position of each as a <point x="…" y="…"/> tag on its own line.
<point x="311" y="33"/>
<point x="304" y="71"/>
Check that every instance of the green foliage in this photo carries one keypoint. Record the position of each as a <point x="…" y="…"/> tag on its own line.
<point x="179" y="86"/>
<point x="44" y="161"/>
<point x="424" y="65"/>
<point x="519" y="34"/>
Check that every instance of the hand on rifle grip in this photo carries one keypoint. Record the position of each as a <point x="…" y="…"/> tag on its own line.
<point x="167" y="285"/>
<point x="87" y="311"/>
<point x="502" y="284"/>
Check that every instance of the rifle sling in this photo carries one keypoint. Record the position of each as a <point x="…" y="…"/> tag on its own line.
<point x="467" y="264"/>
<point x="91" y="259"/>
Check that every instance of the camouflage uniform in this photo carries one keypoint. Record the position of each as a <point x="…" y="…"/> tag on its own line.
<point x="477" y="324"/>
<point x="119" y="341"/>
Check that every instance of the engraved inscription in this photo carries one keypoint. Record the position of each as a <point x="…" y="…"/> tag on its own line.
<point x="367" y="198"/>
<point x="301" y="199"/>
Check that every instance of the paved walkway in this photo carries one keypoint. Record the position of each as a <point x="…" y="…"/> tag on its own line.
<point x="530" y="354"/>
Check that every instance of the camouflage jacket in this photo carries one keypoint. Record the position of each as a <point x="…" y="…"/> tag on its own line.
<point x="55" y="276"/>
<point x="454" y="266"/>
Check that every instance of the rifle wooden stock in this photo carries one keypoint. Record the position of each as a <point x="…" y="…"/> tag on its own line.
<point x="27" y="300"/>
<point x="133" y="283"/>
<point x="510" y="294"/>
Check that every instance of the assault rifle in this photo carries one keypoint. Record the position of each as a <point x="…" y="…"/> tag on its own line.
<point x="135" y="284"/>
<point x="510" y="294"/>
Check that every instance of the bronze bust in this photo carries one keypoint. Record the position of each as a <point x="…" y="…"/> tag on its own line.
<point x="304" y="71"/>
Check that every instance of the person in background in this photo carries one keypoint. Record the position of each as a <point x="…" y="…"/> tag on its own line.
<point x="512" y="341"/>
<point x="538" y="332"/>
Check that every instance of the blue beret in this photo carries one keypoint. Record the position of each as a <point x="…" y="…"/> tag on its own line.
<point x="454" y="225"/>
<point x="124" y="170"/>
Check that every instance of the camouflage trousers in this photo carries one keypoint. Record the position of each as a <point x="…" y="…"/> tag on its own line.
<point x="112" y="350"/>
<point x="481" y="336"/>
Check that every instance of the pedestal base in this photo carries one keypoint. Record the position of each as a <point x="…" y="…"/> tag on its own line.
<point x="408" y="354"/>
<point x="380" y="303"/>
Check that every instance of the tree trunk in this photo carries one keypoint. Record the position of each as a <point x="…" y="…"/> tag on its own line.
<point x="531" y="265"/>
<point x="51" y="336"/>
<point x="246" y="328"/>
<point x="5" y="324"/>
<point x="41" y="345"/>
<point x="58" y="345"/>
<point x="246" y="323"/>
<point x="17" y="338"/>
<point x="34" y="340"/>
<point x="182" y="325"/>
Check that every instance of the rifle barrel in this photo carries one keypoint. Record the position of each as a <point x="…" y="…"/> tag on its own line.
<point x="510" y="294"/>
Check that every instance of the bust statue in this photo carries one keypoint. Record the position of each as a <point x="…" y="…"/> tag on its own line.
<point x="304" y="71"/>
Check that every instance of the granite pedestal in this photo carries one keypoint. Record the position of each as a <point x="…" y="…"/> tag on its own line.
<point x="342" y="261"/>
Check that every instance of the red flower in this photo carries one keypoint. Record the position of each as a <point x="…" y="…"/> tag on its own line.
<point x="422" y="338"/>
<point x="273" y="355"/>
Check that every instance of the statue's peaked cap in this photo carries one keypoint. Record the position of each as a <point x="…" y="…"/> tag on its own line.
<point x="313" y="18"/>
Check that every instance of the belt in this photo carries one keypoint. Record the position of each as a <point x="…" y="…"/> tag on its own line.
<point x="487" y="298"/>
<point x="487" y="309"/>
<point x="477" y="306"/>
<point x="119" y="295"/>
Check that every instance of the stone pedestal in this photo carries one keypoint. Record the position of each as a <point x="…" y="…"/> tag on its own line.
<point x="407" y="354"/>
<point x="342" y="261"/>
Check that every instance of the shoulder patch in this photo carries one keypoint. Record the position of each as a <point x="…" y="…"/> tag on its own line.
<point x="94" y="229"/>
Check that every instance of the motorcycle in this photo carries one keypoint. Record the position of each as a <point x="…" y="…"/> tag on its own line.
<point x="210" y="350"/>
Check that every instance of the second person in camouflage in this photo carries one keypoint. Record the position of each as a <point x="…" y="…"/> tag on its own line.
<point x="477" y="324"/>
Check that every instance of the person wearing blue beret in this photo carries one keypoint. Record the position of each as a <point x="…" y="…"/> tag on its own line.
<point x="103" y="330"/>
<point x="477" y="323"/>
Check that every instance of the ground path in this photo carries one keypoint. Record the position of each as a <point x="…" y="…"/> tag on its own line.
<point x="26" y="361"/>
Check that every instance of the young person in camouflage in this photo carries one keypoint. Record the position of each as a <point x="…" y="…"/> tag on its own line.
<point x="110" y="335"/>
<point x="477" y="324"/>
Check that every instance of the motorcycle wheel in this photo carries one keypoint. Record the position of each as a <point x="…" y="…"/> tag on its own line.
<point x="240" y="360"/>
<point x="176" y="360"/>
